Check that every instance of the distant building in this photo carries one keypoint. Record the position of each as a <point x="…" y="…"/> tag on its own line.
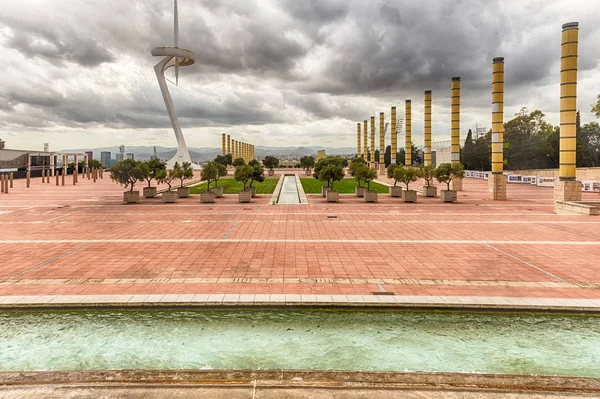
<point x="90" y="155"/>
<point x="118" y="157"/>
<point x="321" y="154"/>
<point x="105" y="157"/>
<point x="130" y="155"/>
<point x="2" y="144"/>
<point x="20" y="161"/>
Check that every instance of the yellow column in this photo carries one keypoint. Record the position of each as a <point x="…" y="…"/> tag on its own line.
<point x="568" y="100"/>
<point x="408" y="133"/>
<point x="228" y="144"/>
<point x="244" y="155"/>
<point x="496" y="180"/>
<point x="365" y="139"/>
<point x="373" y="139"/>
<point x="427" y="130"/>
<point x="381" y="138"/>
<point x="498" y="115"/>
<point x="358" y="139"/>
<point x="455" y="119"/>
<point x="394" y="133"/>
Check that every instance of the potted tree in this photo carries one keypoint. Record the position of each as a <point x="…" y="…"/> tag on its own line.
<point x="427" y="175"/>
<point x="243" y="173"/>
<point x="164" y="176"/>
<point x="368" y="175"/>
<point x="223" y="160"/>
<point x="221" y="171"/>
<point x="258" y="174"/>
<point x="357" y="164"/>
<point x="407" y="175"/>
<point x="445" y="173"/>
<point x="183" y="172"/>
<point x="127" y="173"/>
<point x="271" y="162"/>
<point x="307" y="162"/>
<point x="151" y="167"/>
<point x="395" y="191"/>
<point x="209" y="173"/>
<point x="331" y="173"/>
<point x="330" y="160"/>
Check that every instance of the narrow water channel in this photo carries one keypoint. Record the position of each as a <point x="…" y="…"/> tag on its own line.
<point x="289" y="191"/>
<point x="540" y="344"/>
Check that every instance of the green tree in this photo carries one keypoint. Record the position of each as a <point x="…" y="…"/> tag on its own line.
<point x="239" y="161"/>
<point x="426" y="172"/>
<point x="243" y="173"/>
<point x="406" y="174"/>
<point x="330" y="173"/>
<point x="152" y="167"/>
<point x="221" y="171"/>
<point x="591" y="133"/>
<point x="270" y="162"/>
<point x="95" y="164"/>
<point x="183" y="172"/>
<point x="356" y="163"/>
<point x="525" y="146"/>
<point x="376" y="156"/>
<point x="223" y="159"/>
<point x="335" y="160"/>
<point x="596" y="107"/>
<point x="447" y="172"/>
<point x="307" y="162"/>
<point x="387" y="157"/>
<point x="416" y="157"/>
<point x="390" y="172"/>
<point x="209" y="173"/>
<point x="127" y="173"/>
<point x="367" y="175"/>
<point x="258" y="173"/>
<point x="164" y="176"/>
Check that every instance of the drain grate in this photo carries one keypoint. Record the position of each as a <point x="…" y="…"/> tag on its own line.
<point x="247" y="209"/>
<point x="382" y="293"/>
<point x="331" y="217"/>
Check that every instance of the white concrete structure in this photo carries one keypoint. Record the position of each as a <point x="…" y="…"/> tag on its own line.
<point x="174" y="57"/>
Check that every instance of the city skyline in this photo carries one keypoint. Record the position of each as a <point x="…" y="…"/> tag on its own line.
<point x="317" y="70"/>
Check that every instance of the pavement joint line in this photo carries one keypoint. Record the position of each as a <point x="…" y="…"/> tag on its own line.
<point x="230" y="230"/>
<point x="284" y="240"/>
<point x="304" y="280"/>
<point x="527" y="263"/>
<point x="49" y="261"/>
<point x="381" y="287"/>
<point x="569" y="230"/>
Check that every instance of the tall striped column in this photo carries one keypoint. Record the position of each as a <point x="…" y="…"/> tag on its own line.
<point x="253" y="155"/>
<point x="381" y="139"/>
<point x="408" y="133"/>
<point x="568" y="100"/>
<point x="237" y="149"/>
<point x="394" y="133"/>
<point x="373" y="139"/>
<point x="245" y="151"/>
<point x="228" y="144"/>
<point x="455" y="127"/>
<point x="358" y="139"/>
<point x="427" y="130"/>
<point x="223" y="145"/>
<point x="496" y="180"/>
<point x="233" y="150"/>
<point x="365" y="139"/>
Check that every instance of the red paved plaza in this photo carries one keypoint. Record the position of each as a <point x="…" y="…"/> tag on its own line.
<point x="81" y="240"/>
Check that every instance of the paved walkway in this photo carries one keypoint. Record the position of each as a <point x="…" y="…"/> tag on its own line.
<point x="81" y="240"/>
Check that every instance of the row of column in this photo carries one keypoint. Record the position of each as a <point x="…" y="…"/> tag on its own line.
<point x="455" y="125"/>
<point x="236" y="148"/>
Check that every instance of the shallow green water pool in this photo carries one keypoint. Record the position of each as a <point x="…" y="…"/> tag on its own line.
<point x="539" y="344"/>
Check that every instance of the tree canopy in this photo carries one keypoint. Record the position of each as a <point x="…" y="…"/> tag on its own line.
<point x="127" y="172"/>
<point x="271" y="162"/>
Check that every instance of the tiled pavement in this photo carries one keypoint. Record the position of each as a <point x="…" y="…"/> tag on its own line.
<point x="81" y="240"/>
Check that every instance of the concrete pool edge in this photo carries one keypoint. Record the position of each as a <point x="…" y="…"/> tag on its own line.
<point x="301" y="300"/>
<point x="303" y="378"/>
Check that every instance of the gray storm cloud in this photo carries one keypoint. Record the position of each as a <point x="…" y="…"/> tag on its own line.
<point x="287" y="63"/>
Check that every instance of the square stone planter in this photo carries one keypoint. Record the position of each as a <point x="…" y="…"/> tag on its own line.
<point x="409" y="196"/>
<point x="183" y="192"/>
<point x="333" y="196"/>
<point x="370" y="196"/>
<point x="271" y="172"/>
<point x="252" y="191"/>
<point x="149" y="192"/>
<point x="448" y="195"/>
<point x="324" y="190"/>
<point x="308" y="173"/>
<point x="169" y="197"/>
<point x="430" y="191"/>
<point x="395" y="191"/>
<point x="217" y="191"/>
<point x="131" y="197"/>
<point x="245" y="196"/>
<point x="360" y="191"/>
<point x="207" y="197"/>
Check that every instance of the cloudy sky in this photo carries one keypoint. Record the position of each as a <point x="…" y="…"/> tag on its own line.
<point x="78" y="73"/>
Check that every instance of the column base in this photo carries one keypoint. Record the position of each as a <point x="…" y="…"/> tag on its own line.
<point x="567" y="190"/>
<point x="456" y="184"/>
<point x="497" y="187"/>
<point x="382" y="169"/>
